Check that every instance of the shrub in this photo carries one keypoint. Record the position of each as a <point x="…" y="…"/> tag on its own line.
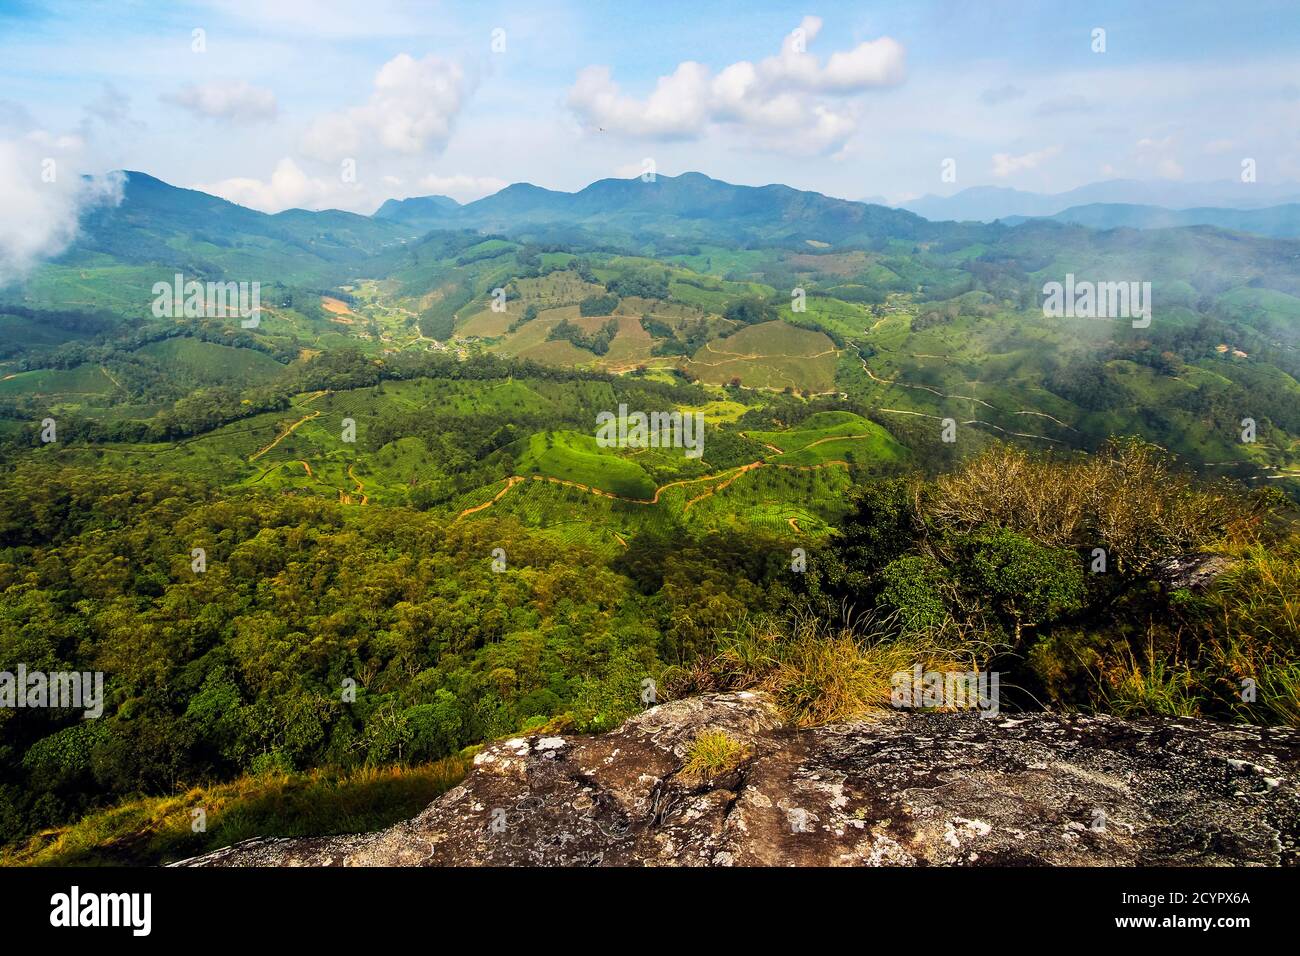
<point x="914" y="587"/>
<point x="1025" y="583"/>
<point x="1128" y="498"/>
<point x="750" y="311"/>
<point x="598" y="304"/>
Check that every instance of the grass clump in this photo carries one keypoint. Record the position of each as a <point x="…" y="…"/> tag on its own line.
<point x="1154" y="687"/>
<point x="820" y="672"/>
<point x="712" y="754"/>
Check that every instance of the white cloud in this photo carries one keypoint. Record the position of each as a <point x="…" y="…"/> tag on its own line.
<point x="1169" y="169"/>
<point x="410" y="111"/>
<point x="460" y="187"/>
<point x="1157" y="155"/>
<point x="677" y="109"/>
<point x="113" y="108"/>
<point x="235" y="101"/>
<point x="43" y="195"/>
<point x="1004" y="164"/>
<point x="288" y="187"/>
<point x="781" y="101"/>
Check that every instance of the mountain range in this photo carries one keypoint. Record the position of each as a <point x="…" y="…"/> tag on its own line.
<point x="1281" y="222"/>
<point x="156" y="219"/>
<point x="988" y="203"/>
<point x="697" y="205"/>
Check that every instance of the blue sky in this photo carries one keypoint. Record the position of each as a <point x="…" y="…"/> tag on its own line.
<point x="875" y="98"/>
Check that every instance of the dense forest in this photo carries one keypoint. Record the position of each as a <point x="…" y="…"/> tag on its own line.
<point x="243" y="666"/>
<point x="333" y="555"/>
<point x="316" y="634"/>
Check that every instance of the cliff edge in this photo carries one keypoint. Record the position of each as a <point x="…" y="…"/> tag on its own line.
<point x="905" y="789"/>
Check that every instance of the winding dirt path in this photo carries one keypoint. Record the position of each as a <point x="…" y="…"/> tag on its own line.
<point x="109" y="376"/>
<point x="714" y="489"/>
<point x="822" y="441"/>
<point x="729" y="476"/>
<point x="510" y="483"/>
<point x="361" y="488"/>
<point x="771" y="448"/>
<point x="973" y="421"/>
<point x="969" y="398"/>
<point x="285" y="434"/>
<point x="925" y="388"/>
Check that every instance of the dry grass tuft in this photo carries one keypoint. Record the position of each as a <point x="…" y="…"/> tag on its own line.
<point x="820" y="673"/>
<point x="712" y="754"/>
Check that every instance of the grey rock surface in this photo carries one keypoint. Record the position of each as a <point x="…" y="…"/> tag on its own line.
<point x="905" y="789"/>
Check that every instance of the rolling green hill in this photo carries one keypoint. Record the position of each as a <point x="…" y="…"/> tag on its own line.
<point x="394" y="478"/>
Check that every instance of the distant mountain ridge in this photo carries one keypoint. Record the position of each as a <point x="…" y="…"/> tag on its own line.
<point x="1280" y="222"/>
<point x="155" y="218"/>
<point x="159" y="222"/>
<point x="989" y="203"/>
<point x="190" y="231"/>
<point x="416" y="207"/>
<point x="699" y="203"/>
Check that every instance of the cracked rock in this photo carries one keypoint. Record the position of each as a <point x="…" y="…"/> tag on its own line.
<point x="910" y="789"/>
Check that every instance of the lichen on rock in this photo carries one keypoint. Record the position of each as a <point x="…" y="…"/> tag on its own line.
<point x="912" y="789"/>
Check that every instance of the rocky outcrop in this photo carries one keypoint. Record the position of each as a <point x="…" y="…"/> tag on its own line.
<point x="906" y="789"/>
<point x="1194" y="572"/>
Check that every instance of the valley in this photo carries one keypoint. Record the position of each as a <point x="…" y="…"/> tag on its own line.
<point x="395" y="480"/>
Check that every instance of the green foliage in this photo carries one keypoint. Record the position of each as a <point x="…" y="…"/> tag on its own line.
<point x="750" y="311"/>
<point x="882" y="526"/>
<point x="712" y="754"/>
<point x="598" y="305"/>
<point x="914" y="587"/>
<point x="241" y="669"/>
<point x="152" y="831"/>
<point x="642" y="283"/>
<point x="530" y="313"/>
<point x="1000" y="555"/>
<point x="596" y="342"/>
<point x="1023" y="581"/>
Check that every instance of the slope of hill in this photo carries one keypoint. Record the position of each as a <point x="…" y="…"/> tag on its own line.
<point x="159" y="229"/>
<point x="418" y="211"/>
